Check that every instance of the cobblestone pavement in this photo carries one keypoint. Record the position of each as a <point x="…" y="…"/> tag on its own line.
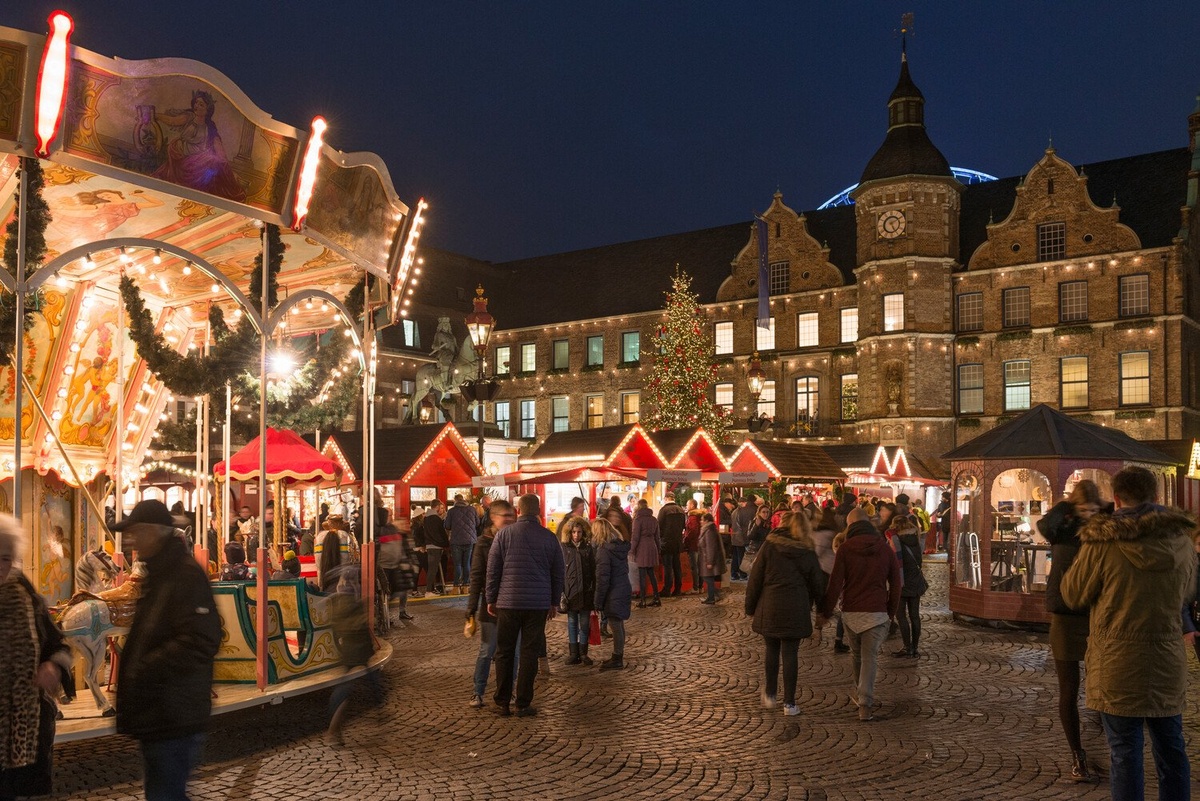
<point x="974" y="718"/>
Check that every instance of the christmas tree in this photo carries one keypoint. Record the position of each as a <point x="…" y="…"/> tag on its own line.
<point x="676" y="391"/>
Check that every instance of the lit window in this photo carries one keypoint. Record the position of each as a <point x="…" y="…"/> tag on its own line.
<point x="970" y="389"/>
<point x="528" y="419"/>
<point x="528" y="357"/>
<point x="503" y="357"/>
<point x="807" y="334"/>
<point x="1016" y="307"/>
<point x="724" y="397"/>
<point x="1072" y="301"/>
<point x="595" y="351"/>
<point x="595" y="411"/>
<point x="501" y="413"/>
<point x="1135" y="378"/>
<point x="723" y="338"/>
<point x="630" y="405"/>
<point x="412" y="336"/>
<point x="780" y="276"/>
<point x="562" y="354"/>
<point x="559" y="414"/>
<point x="766" y="399"/>
<point x="807" y="401"/>
<point x="1016" y="385"/>
<point x="850" y="324"/>
<point x="850" y="396"/>
<point x="631" y="347"/>
<point x="1073" y="379"/>
<point x="764" y="338"/>
<point x="893" y="312"/>
<point x="970" y="311"/>
<point x="1052" y="241"/>
<point x="1134" y="292"/>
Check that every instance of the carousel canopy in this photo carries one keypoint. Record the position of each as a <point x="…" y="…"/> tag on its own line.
<point x="1046" y="433"/>
<point x="289" y="459"/>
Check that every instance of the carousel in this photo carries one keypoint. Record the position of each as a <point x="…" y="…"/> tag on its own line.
<point x="156" y="222"/>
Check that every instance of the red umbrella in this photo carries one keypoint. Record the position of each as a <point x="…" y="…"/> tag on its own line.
<point x="289" y="459"/>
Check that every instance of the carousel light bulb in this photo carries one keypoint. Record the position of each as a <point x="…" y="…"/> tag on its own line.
<point x="215" y="288"/>
<point x="157" y="256"/>
<point x="187" y="268"/>
<point x="88" y="264"/>
<point x="60" y="281"/>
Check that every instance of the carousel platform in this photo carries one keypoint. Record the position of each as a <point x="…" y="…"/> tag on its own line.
<point x="83" y="721"/>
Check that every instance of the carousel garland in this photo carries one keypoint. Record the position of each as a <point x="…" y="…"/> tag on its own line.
<point x="37" y="220"/>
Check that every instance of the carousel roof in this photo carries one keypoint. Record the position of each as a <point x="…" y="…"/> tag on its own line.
<point x="289" y="459"/>
<point x="1046" y="433"/>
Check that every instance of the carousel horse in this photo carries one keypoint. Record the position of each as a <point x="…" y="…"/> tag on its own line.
<point x="88" y="620"/>
<point x="95" y="571"/>
<point x="440" y="381"/>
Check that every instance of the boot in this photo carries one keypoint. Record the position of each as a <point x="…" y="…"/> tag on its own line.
<point x="655" y="602"/>
<point x="1079" y="767"/>
<point x="574" y="658"/>
<point x="615" y="662"/>
<point x="583" y="655"/>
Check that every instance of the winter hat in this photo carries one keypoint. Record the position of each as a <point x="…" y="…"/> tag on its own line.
<point x="289" y="554"/>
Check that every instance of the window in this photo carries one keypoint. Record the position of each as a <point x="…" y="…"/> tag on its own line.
<point x="595" y="412"/>
<point x="764" y="338"/>
<point x="1134" y="292"/>
<point x="780" y="283"/>
<point x="503" y="357"/>
<point x="528" y="357"/>
<point x="724" y="397"/>
<point x="1073" y="381"/>
<point x="970" y="389"/>
<point x="631" y="347"/>
<point x="850" y="324"/>
<point x="970" y="311"/>
<point x="807" y="399"/>
<point x="766" y="399"/>
<point x="807" y="333"/>
<point x="723" y="338"/>
<point x="1072" y="301"/>
<point x="595" y="351"/>
<point x="850" y="396"/>
<point x="560" y="410"/>
<point x="1016" y="307"/>
<point x="1016" y="385"/>
<point x="412" y="335"/>
<point x="562" y="354"/>
<point x="893" y="312"/>
<point x="631" y="403"/>
<point x="1052" y="241"/>
<point x="501" y="412"/>
<point x="528" y="419"/>
<point x="1135" y="378"/>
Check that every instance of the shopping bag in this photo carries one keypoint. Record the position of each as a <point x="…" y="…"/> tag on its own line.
<point x="469" y="628"/>
<point x="594" y="629"/>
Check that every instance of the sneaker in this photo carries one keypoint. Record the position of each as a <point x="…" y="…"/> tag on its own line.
<point x="841" y="648"/>
<point x="708" y="601"/>
<point x="903" y="653"/>
<point x="416" y="594"/>
<point x="767" y="700"/>
<point x="791" y="710"/>
<point x="476" y="702"/>
<point x="405" y="616"/>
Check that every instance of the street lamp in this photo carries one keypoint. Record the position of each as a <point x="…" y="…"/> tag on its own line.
<point x="756" y="378"/>
<point x="480" y="325"/>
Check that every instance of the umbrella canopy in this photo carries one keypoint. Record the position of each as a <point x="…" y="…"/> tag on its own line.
<point x="289" y="459"/>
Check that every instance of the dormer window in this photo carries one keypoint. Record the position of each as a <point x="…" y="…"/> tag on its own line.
<point x="1052" y="241"/>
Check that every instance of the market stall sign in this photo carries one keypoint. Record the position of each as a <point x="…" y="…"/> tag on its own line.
<point x="673" y="476"/>
<point x="487" y="481"/>
<point x="743" y="477"/>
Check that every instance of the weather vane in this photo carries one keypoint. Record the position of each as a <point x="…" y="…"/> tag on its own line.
<point x="905" y="30"/>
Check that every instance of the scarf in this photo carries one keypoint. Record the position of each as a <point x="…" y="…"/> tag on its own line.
<point x="19" y="696"/>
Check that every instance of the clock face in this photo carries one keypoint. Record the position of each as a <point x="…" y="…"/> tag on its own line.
<point x="891" y="224"/>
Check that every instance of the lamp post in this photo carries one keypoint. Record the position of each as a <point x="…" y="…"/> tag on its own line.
<point x="756" y="378"/>
<point x="482" y="390"/>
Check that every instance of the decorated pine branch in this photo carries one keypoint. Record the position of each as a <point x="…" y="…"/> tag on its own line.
<point x="37" y="212"/>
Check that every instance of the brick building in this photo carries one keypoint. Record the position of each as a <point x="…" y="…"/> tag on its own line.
<point x="922" y="314"/>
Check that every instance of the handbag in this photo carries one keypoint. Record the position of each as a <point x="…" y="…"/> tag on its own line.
<point x="469" y="627"/>
<point x="749" y="557"/>
<point x="593" y="629"/>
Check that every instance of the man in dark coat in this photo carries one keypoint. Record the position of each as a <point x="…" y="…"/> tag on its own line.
<point x="436" y="542"/>
<point x="671" y="522"/>
<point x="164" y="689"/>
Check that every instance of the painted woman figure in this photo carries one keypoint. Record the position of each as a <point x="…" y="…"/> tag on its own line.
<point x="196" y="156"/>
<point x="90" y="216"/>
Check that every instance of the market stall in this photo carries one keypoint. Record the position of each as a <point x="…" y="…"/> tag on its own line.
<point x="1003" y="481"/>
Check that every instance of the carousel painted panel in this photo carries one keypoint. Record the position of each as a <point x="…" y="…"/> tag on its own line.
<point x="55" y="541"/>
<point x="178" y="128"/>
<point x="40" y="341"/>
<point x="12" y="82"/>
<point x="354" y="209"/>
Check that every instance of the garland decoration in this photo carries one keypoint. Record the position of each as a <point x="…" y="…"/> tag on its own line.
<point x="38" y="218"/>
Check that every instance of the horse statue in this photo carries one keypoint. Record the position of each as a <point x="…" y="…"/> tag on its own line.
<point x="456" y="363"/>
<point x="88" y="620"/>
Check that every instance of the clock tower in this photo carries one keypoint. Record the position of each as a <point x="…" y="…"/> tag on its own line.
<point x="907" y="222"/>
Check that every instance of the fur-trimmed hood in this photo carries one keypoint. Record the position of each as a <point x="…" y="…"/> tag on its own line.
<point x="1144" y="534"/>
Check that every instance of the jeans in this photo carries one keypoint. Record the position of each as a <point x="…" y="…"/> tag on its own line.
<point x="694" y="564"/>
<point x="735" y="569"/>
<point x="672" y="574"/>
<point x="864" y="649"/>
<point x="167" y="764"/>
<point x="487" y="651"/>
<point x="433" y="571"/>
<point x="462" y="563"/>
<point x="789" y="650"/>
<point x="530" y="625"/>
<point x="1126" y="775"/>
<point x="578" y="627"/>
<point x="644" y="574"/>
<point x="910" y="622"/>
<point x="710" y="582"/>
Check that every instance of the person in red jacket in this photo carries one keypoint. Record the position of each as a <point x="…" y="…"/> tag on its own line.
<point x="866" y="579"/>
<point x="691" y="544"/>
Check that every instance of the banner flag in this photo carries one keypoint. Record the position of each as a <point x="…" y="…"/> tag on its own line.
<point x="764" y="275"/>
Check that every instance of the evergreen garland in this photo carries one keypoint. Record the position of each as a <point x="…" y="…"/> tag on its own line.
<point x="37" y="212"/>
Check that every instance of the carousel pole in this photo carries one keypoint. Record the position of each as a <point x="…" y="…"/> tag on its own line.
<point x="18" y="361"/>
<point x="202" y="493"/>
<point x="260" y="655"/>
<point x="119" y="459"/>
<point x="225" y="486"/>
<point x="368" y="420"/>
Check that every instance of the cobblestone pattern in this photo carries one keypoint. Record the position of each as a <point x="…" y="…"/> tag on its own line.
<point x="974" y="718"/>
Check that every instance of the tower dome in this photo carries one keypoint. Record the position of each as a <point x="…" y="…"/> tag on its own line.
<point x="907" y="149"/>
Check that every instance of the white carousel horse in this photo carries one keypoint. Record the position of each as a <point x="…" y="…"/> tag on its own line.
<point x="89" y="620"/>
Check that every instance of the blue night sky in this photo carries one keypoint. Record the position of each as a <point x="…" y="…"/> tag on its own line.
<point x="541" y="127"/>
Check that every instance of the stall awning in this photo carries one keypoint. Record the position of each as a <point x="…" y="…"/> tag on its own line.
<point x="627" y="446"/>
<point x="577" y="475"/>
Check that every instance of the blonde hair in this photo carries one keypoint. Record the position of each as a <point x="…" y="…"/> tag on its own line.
<point x="799" y="528"/>
<point x="13" y="535"/>
<point x="564" y="531"/>
<point x="1085" y="491"/>
<point x="604" y="531"/>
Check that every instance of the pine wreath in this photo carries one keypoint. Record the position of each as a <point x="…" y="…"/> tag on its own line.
<point x="38" y="218"/>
